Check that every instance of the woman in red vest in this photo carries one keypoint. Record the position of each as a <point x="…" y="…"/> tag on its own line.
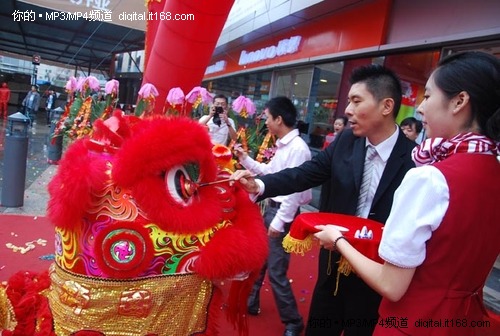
<point x="441" y="239"/>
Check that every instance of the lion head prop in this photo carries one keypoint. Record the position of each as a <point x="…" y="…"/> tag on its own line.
<point x="146" y="224"/>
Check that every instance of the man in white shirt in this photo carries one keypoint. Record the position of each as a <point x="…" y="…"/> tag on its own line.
<point x="281" y="210"/>
<point x="220" y="127"/>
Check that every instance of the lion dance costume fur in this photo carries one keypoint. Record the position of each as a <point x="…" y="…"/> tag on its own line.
<point x="142" y="238"/>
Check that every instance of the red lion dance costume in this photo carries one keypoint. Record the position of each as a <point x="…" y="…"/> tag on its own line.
<point x="141" y="238"/>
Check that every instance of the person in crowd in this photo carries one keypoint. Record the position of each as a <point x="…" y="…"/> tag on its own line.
<point x="31" y="103"/>
<point x="221" y="128"/>
<point x="292" y="150"/>
<point x="50" y="103"/>
<point x="4" y="100"/>
<point x="374" y="101"/>
<point x="441" y="238"/>
<point x="338" y="126"/>
<point x="411" y="127"/>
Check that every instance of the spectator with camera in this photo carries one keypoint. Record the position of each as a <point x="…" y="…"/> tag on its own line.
<point x="220" y="127"/>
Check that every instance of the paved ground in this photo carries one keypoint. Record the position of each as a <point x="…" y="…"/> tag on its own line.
<point x="38" y="170"/>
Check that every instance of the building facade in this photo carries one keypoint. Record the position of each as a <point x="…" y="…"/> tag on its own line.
<point x="312" y="52"/>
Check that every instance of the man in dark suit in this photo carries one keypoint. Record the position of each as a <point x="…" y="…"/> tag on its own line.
<point x="374" y="100"/>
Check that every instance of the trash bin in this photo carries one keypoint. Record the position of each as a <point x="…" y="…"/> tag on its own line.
<point x="15" y="156"/>
<point x="55" y="145"/>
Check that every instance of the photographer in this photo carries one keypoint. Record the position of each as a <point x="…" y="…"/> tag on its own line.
<point x="220" y="126"/>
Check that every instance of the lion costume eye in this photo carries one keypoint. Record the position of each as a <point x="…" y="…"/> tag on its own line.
<point x="181" y="184"/>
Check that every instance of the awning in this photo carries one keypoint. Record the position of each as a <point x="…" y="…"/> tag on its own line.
<point x="81" y="43"/>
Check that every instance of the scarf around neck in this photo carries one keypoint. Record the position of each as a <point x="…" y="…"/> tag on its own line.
<point x="437" y="149"/>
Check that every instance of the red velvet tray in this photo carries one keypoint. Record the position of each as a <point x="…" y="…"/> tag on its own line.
<point x="303" y="227"/>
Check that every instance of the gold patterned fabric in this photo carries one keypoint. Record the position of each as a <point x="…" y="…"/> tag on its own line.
<point x="162" y="305"/>
<point x="7" y="316"/>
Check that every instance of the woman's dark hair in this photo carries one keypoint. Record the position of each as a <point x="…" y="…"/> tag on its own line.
<point x="283" y="106"/>
<point x="410" y="121"/>
<point x="343" y="118"/>
<point x="381" y="82"/>
<point x="477" y="73"/>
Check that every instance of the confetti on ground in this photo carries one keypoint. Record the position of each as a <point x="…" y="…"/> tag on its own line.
<point x="29" y="246"/>
<point x="47" y="257"/>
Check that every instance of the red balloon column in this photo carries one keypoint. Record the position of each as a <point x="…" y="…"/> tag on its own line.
<point x="183" y="45"/>
<point x="154" y="9"/>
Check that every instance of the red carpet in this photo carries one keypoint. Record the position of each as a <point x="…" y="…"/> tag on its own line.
<point x="19" y="230"/>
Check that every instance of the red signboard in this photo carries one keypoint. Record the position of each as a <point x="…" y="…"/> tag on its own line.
<point x="358" y="28"/>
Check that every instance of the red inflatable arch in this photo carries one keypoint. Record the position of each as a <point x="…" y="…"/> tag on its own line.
<point x="181" y="49"/>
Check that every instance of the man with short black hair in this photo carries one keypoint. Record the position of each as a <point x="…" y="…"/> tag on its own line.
<point x="220" y="127"/>
<point x="281" y="121"/>
<point x="345" y="304"/>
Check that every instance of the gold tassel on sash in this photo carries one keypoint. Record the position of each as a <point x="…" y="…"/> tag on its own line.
<point x="298" y="246"/>
<point x="344" y="268"/>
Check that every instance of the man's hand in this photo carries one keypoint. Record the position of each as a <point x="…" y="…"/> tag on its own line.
<point x="273" y="233"/>
<point x="211" y="112"/>
<point x="224" y="117"/>
<point x="240" y="152"/>
<point x="247" y="181"/>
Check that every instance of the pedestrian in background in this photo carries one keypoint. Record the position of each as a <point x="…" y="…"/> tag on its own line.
<point x="50" y="103"/>
<point x="221" y="127"/>
<point x="4" y="100"/>
<point x="411" y="127"/>
<point x="31" y="103"/>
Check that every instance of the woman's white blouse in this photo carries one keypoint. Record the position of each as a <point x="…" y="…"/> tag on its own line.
<point x="419" y="206"/>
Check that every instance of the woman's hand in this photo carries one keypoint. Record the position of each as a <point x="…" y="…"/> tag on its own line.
<point x="327" y="235"/>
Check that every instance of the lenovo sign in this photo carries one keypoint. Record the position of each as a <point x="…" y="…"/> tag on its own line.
<point x="284" y="47"/>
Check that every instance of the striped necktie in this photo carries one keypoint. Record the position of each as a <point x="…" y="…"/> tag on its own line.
<point x="367" y="178"/>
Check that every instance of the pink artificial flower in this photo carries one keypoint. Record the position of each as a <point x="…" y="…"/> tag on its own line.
<point x="112" y="87"/>
<point x="93" y="83"/>
<point x="250" y="107"/>
<point x="175" y="96"/>
<point x="239" y="104"/>
<point x="79" y="83"/>
<point x="243" y="106"/>
<point x="71" y="84"/>
<point x="201" y="93"/>
<point x="148" y="90"/>
<point x="269" y="153"/>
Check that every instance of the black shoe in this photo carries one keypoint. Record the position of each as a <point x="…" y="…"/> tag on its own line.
<point x="254" y="311"/>
<point x="290" y="332"/>
<point x="294" y="331"/>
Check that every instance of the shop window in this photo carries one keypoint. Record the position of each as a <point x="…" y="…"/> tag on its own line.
<point x="323" y="101"/>
<point x="294" y="84"/>
<point x="413" y="70"/>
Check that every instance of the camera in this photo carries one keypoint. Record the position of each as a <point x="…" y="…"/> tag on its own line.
<point x="218" y="111"/>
